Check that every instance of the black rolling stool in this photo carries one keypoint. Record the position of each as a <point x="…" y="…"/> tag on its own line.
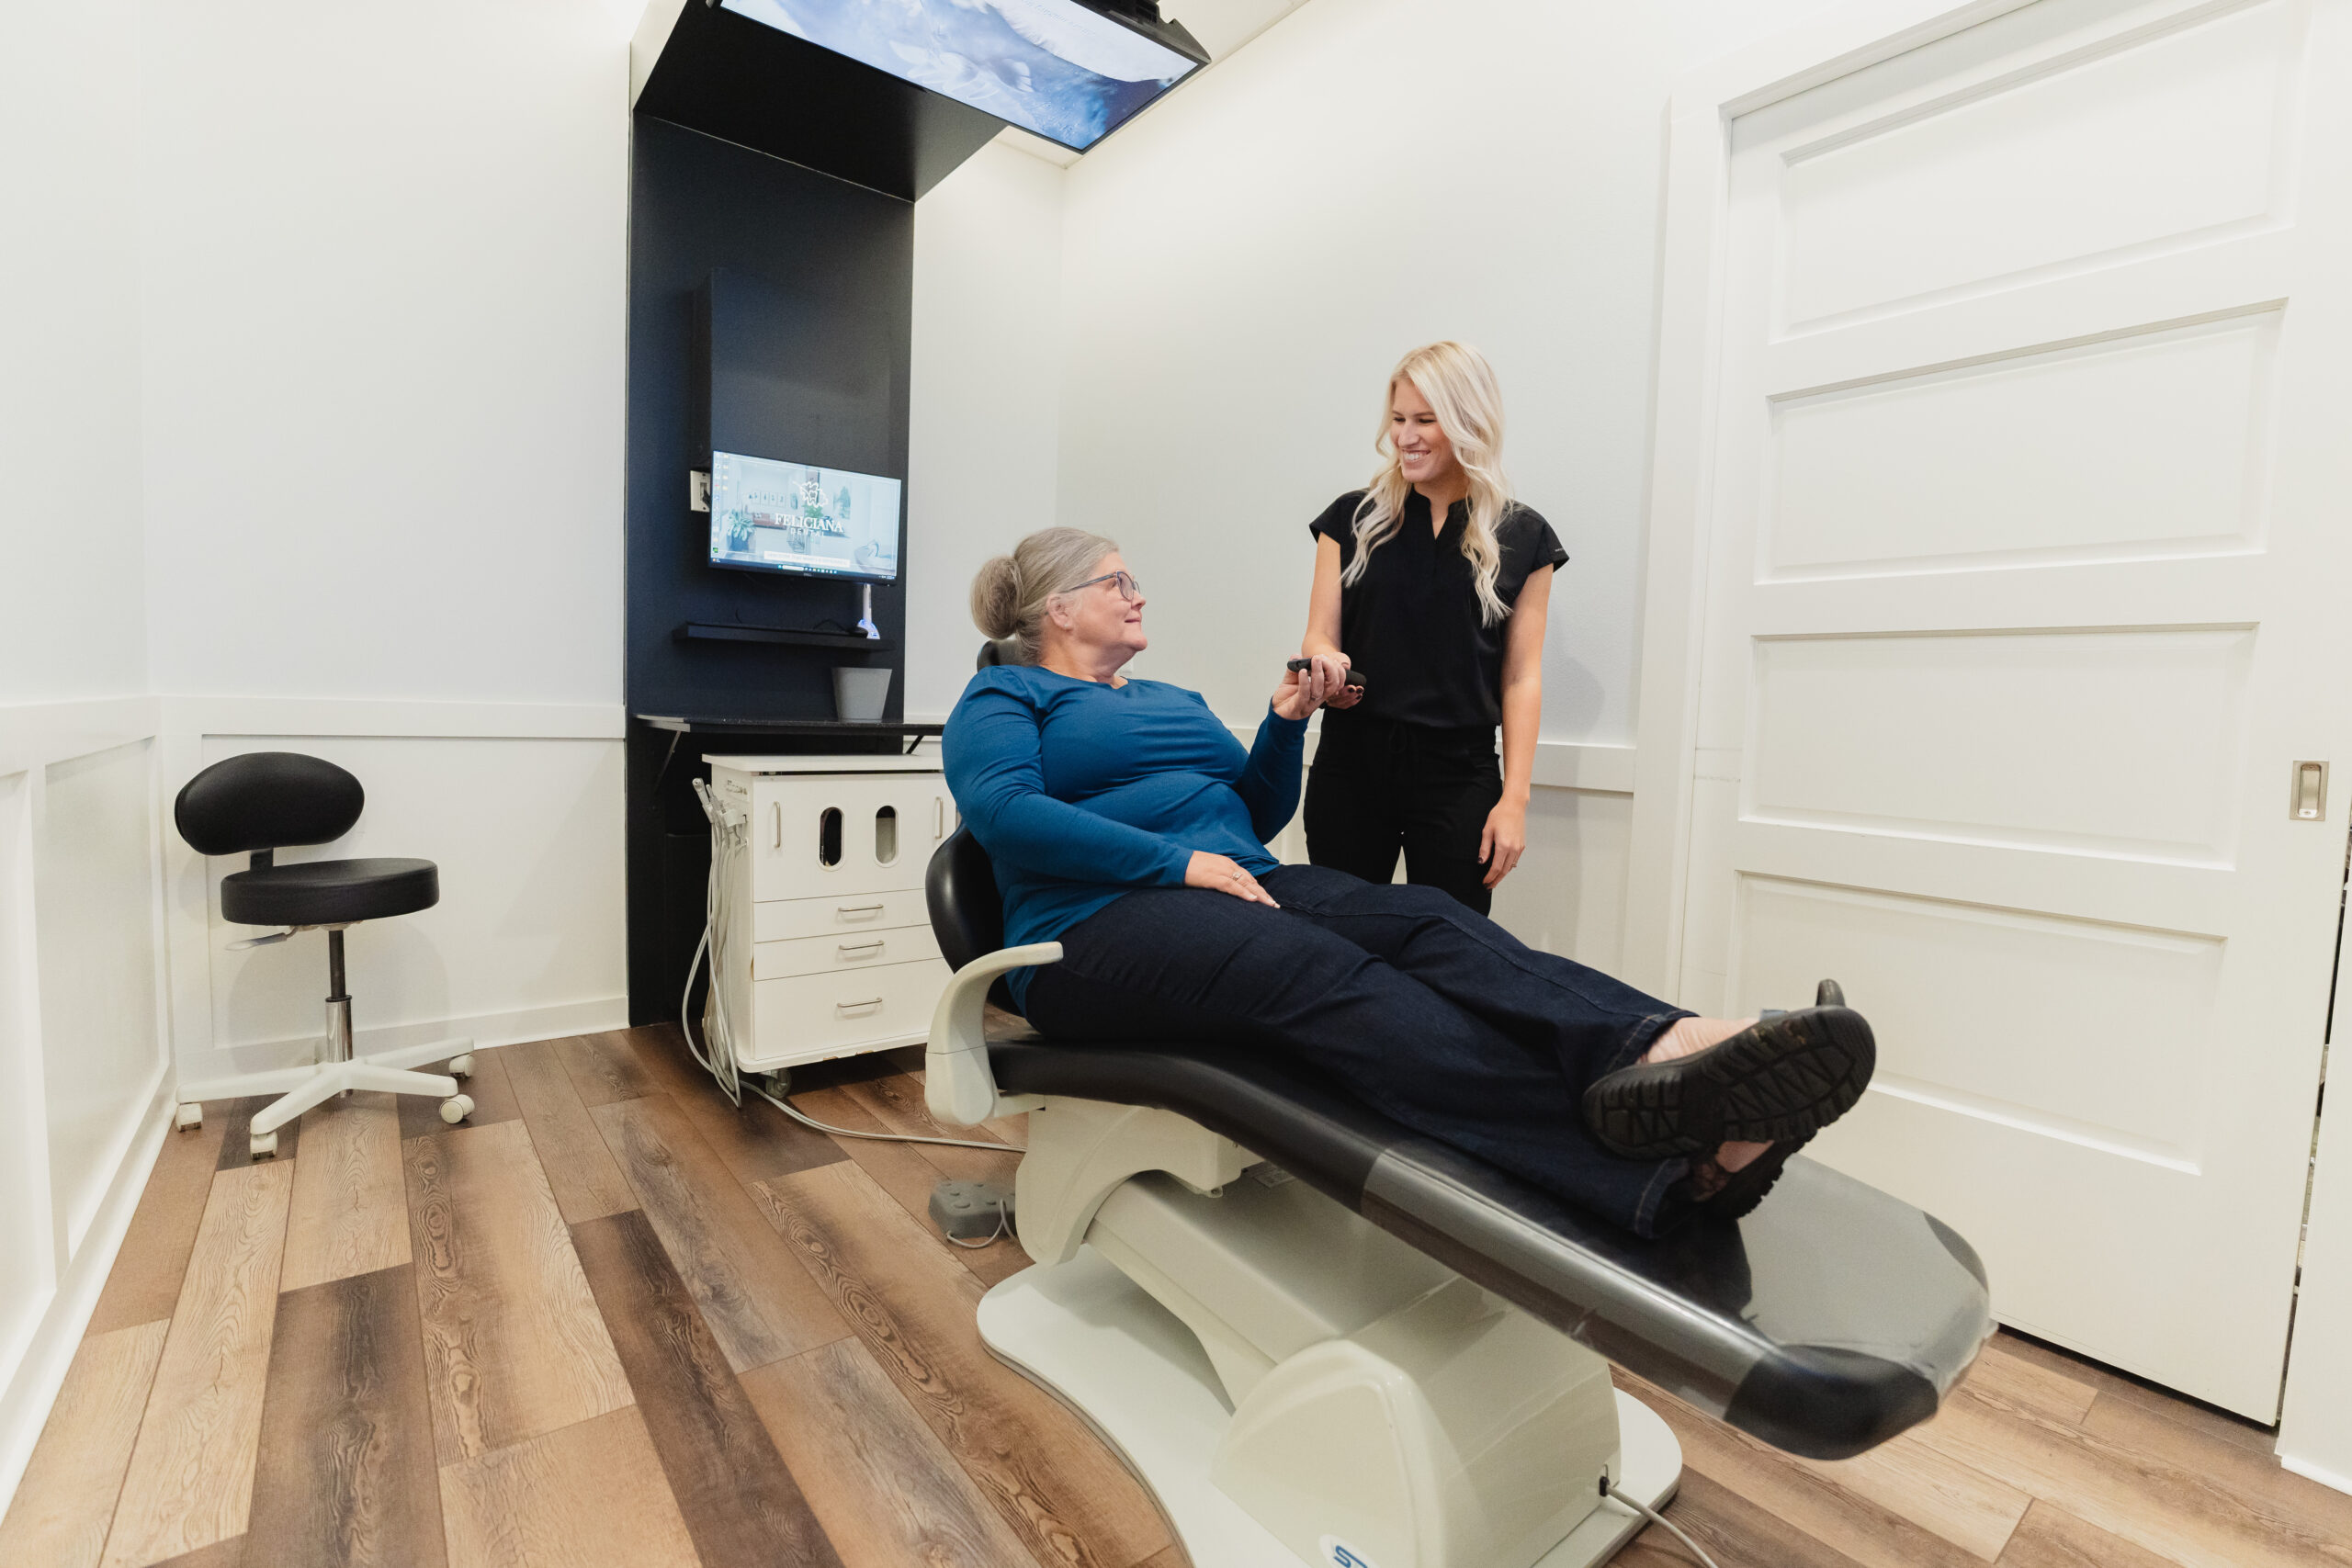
<point x="261" y="803"/>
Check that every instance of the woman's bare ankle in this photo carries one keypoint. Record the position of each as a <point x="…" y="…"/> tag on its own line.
<point x="1738" y="1157"/>
<point x="1686" y="1035"/>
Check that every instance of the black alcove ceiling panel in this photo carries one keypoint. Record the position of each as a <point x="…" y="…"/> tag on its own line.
<point x="732" y="78"/>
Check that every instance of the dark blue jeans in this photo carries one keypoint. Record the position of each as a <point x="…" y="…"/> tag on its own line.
<point x="1434" y="1015"/>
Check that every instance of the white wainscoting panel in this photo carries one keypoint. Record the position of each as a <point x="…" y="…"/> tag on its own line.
<point x="2133" y="735"/>
<point x="1568" y="894"/>
<point x="2126" y="144"/>
<point x="2098" y="452"/>
<point x="95" y="883"/>
<point x="28" y="1253"/>
<point x="526" y="941"/>
<point x="84" y="1074"/>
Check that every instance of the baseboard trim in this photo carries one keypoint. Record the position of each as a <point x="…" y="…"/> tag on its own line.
<point x="2310" y="1471"/>
<point x="234" y="1065"/>
<point x="40" y="1372"/>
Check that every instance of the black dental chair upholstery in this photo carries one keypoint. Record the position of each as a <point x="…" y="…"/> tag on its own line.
<point x="1826" y="1322"/>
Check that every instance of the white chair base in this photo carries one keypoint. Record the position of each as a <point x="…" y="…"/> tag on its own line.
<point x="1091" y="1335"/>
<point x="387" y="1073"/>
<point x="1296" y="1385"/>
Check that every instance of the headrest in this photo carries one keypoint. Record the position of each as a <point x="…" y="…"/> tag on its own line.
<point x="966" y="911"/>
<point x="265" y="800"/>
<point x="999" y="650"/>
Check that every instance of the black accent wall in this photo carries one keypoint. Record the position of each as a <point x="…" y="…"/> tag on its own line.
<point x="810" y="320"/>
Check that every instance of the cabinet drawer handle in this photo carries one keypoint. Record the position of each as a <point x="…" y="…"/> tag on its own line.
<point x="848" y="1009"/>
<point x="857" y="911"/>
<point x="849" y="949"/>
<point x="779" y="824"/>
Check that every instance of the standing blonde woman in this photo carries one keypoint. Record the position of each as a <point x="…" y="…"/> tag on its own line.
<point x="1435" y="583"/>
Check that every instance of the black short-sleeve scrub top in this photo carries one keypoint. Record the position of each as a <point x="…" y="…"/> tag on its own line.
<point x="1411" y="621"/>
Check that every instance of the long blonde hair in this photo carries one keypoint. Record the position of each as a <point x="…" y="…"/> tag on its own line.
<point x="1009" y="593"/>
<point x="1461" y="392"/>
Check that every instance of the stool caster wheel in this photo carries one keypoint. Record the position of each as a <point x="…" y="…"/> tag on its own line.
<point x="189" y="1116"/>
<point x="264" y="1145"/>
<point x="456" y="1108"/>
<point x="461" y="1066"/>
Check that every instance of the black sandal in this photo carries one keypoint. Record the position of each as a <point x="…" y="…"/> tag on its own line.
<point x="1781" y="1079"/>
<point x="1715" y="1194"/>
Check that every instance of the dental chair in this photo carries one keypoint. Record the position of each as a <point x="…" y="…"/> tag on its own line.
<point x="1322" y="1338"/>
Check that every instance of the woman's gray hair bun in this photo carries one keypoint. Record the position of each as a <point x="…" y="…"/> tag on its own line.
<point x="1009" y="593"/>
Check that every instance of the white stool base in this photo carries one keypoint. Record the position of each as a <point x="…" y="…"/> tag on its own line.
<point x="284" y="1078"/>
<point x="332" y="1077"/>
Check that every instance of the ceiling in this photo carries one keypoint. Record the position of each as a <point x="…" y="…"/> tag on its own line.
<point x="1222" y="26"/>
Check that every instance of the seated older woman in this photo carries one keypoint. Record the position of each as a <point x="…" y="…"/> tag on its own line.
<point x="1126" y="823"/>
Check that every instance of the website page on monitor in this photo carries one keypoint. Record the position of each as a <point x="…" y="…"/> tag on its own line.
<point x="771" y="516"/>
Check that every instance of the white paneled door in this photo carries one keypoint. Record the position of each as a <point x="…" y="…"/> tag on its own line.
<point x="2030" y="548"/>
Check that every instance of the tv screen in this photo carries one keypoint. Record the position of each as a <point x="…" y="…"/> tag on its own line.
<point x="797" y="517"/>
<point x="1049" y="66"/>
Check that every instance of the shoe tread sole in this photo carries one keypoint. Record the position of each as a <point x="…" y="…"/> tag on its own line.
<point x="1784" y="1079"/>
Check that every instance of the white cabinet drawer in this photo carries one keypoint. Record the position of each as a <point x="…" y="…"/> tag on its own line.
<point x="848" y="950"/>
<point x="823" y="837"/>
<point x="784" y="919"/>
<point x="811" y="1016"/>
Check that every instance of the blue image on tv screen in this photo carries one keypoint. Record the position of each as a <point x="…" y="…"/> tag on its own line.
<point x="1050" y="66"/>
<point x="797" y="517"/>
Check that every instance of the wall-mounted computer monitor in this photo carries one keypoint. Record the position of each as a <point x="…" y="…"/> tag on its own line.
<point x="802" y="519"/>
<point x="1054" y="67"/>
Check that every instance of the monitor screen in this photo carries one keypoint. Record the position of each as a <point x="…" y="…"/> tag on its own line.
<point x="795" y="517"/>
<point x="1049" y="66"/>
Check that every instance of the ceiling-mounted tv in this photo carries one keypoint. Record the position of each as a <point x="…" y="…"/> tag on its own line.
<point x="802" y="519"/>
<point x="1068" y="72"/>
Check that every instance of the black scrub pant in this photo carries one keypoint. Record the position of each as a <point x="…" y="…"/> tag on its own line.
<point x="1378" y="787"/>
<point x="1436" y="1016"/>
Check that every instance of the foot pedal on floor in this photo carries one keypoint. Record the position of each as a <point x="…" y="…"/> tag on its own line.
<point x="971" y="1210"/>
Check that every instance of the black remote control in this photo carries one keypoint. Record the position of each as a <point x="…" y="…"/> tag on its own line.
<point x="1355" y="677"/>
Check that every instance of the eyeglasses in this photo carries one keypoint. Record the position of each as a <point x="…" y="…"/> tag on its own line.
<point x="1129" y="588"/>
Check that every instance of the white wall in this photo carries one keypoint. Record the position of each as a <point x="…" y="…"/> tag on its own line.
<point x="72" y="616"/>
<point x="385" y="312"/>
<point x="82" y="1054"/>
<point x="384" y="317"/>
<point x="310" y="414"/>
<point x="986" y="400"/>
<point x="1235" y="272"/>
<point x="1233" y="276"/>
<point x="1244" y="263"/>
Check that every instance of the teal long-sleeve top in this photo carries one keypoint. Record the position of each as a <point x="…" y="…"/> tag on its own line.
<point x="1082" y="791"/>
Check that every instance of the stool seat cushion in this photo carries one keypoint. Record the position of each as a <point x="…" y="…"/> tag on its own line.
<point x="329" y="892"/>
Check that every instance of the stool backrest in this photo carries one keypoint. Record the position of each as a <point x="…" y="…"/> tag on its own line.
<point x="966" y="911"/>
<point x="266" y="800"/>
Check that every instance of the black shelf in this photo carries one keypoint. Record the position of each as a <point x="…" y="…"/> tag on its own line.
<point x="800" y="727"/>
<point x="730" y="631"/>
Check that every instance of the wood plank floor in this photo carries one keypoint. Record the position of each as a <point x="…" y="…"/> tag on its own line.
<point x="614" y="1320"/>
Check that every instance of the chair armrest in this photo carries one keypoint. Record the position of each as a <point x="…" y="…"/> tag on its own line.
<point x="957" y="1085"/>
